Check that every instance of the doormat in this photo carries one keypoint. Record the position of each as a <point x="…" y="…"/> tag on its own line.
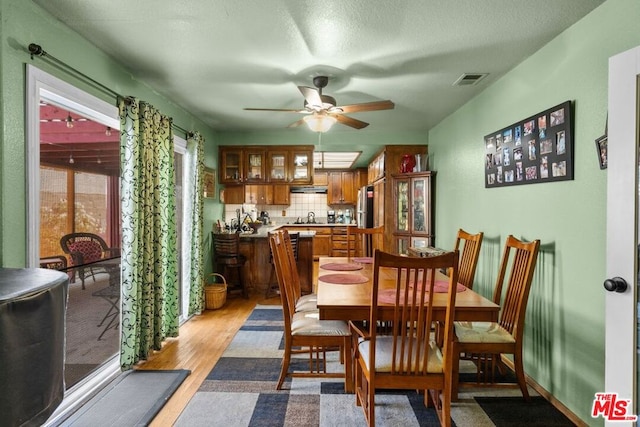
<point x="132" y="399"/>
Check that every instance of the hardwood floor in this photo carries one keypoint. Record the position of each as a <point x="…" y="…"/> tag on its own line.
<point x="202" y="341"/>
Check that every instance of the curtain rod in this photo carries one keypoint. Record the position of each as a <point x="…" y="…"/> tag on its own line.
<point x="36" y="50"/>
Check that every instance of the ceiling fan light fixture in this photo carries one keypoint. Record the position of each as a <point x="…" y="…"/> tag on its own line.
<point x="69" y="121"/>
<point x="319" y="122"/>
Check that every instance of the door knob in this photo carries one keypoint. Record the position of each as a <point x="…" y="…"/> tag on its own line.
<point x="617" y="284"/>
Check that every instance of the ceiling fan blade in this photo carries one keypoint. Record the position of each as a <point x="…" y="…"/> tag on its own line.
<point x="286" y="110"/>
<point x="350" y="121"/>
<point x="296" y="124"/>
<point x="311" y="95"/>
<point x="366" y="106"/>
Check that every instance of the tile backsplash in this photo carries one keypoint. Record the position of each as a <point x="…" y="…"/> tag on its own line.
<point x="301" y="205"/>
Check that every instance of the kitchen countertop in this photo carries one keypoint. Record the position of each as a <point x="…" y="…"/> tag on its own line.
<point x="318" y="225"/>
<point x="263" y="231"/>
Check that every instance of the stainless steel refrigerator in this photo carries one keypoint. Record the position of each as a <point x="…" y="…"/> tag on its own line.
<point x="364" y="210"/>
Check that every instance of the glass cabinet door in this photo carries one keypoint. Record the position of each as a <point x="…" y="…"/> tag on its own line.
<point x="255" y="166"/>
<point x="402" y="245"/>
<point x="278" y="166"/>
<point x="402" y="205"/>
<point x="302" y="163"/>
<point x="231" y="167"/>
<point x="420" y="207"/>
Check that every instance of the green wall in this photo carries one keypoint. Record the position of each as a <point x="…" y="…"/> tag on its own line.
<point x="565" y="335"/>
<point x="564" y="345"/>
<point x="24" y="23"/>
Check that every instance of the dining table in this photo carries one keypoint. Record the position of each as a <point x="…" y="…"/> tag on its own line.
<point x="341" y="297"/>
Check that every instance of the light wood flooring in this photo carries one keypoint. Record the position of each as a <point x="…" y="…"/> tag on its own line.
<point x="202" y="341"/>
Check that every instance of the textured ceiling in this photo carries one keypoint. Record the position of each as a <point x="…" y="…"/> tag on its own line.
<point x="215" y="57"/>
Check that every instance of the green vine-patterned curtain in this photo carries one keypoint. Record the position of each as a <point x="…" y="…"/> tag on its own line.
<point x="195" y="158"/>
<point x="149" y="246"/>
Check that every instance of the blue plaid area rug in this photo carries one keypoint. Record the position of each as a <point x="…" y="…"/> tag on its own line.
<point x="241" y="391"/>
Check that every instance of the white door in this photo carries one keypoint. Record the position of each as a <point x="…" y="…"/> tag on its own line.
<point x="621" y="385"/>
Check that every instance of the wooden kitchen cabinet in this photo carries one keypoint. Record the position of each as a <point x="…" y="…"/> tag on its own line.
<point x="278" y="165"/>
<point x="320" y="178"/>
<point x="342" y="188"/>
<point x="290" y="164"/>
<point x="233" y="194"/>
<point x="341" y="242"/>
<point x="281" y="194"/>
<point x="231" y="166"/>
<point x="257" y="194"/>
<point x="378" y="203"/>
<point x="321" y="241"/>
<point x="386" y="163"/>
<point x="254" y="165"/>
<point x="301" y="167"/>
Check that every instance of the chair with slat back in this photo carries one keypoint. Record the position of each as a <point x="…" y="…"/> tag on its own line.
<point x="487" y="341"/>
<point x="364" y="241"/>
<point x="469" y="254"/>
<point x="84" y="248"/>
<point x="272" y="286"/>
<point x="301" y="302"/>
<point x="304" y="328"/>
<point x="227" y="257"/>
<point x="407" y="356"/>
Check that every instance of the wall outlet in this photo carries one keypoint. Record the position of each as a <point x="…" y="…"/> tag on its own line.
<point x="284" y="212"/>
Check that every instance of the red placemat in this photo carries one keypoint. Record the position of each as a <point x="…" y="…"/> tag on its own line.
<point x="363" y="260"/>
<point x="343" y="279"/>
<point x="337" y="266"/>
<point x="443" y="286"/>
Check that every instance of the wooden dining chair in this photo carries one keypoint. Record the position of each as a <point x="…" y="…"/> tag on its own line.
<point x="364" y="241"/>
<point x="301" y="302"/>
<point x="486" y="342"/>
<point x="272" y="286"/>
<point x="469" y="254"/>
<point x="305" y="329"/>
<point x="407" y="356"/>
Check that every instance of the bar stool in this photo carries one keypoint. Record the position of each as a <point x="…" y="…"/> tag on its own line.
<point x="227" y="257"/>
<point x="272" y="286"/>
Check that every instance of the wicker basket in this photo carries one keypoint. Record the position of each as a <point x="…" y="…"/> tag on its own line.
<point x="215" y="294"/>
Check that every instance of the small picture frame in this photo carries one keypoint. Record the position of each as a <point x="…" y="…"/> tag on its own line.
<point x="601" y="148"/>
<point x="209" y="183"/>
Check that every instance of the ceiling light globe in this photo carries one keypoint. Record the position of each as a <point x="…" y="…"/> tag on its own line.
<point x="319" y="122"/>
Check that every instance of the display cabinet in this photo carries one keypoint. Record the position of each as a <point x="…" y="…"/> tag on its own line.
<point x="277" y="163"/>
<point x="255" y="166"/>
<point x="413" y="211"/>
<point x="302" y="167"/>
<point x="266" y="164"/>
<point x="231" y="169"/>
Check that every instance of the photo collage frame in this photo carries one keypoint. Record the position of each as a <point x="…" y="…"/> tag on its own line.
<point x="537" y="149"/>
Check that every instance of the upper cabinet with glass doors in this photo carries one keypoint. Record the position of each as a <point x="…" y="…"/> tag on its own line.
<point x="265" y="164"/>
<point x="277" y="164"/>
<point x="302" y="167"/>
<point x="254" y="165"/>
<point x="413" y="209"/>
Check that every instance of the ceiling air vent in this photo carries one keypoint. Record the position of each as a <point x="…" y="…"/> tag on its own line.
<point x="469" y="79"/>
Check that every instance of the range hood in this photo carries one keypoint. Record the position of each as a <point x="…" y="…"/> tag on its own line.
<point x="310" y="189"/>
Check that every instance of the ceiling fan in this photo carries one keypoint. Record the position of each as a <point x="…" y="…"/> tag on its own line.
<point x="322" y="112"/>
